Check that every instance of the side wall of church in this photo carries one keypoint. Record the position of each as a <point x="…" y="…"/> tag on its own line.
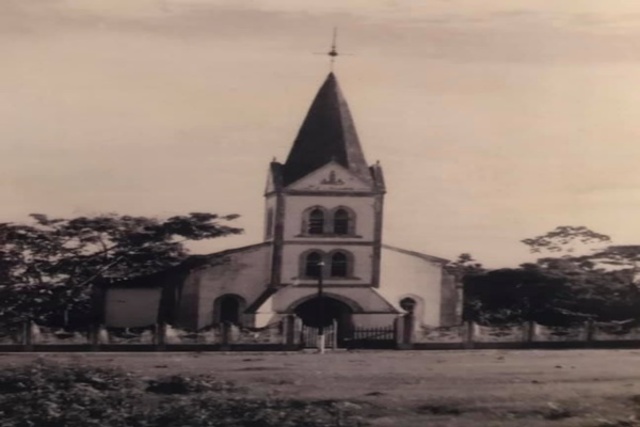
<point x="409" y="276"/>
<point x="245" y="274"/>
<point x="187" y="311"/>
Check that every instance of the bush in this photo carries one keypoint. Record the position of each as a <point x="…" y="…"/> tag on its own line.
<point x="48" y="395"/>
<point x="44" y="376"/>
<point x="206" y="412"/>
<point x="184" y="384"/>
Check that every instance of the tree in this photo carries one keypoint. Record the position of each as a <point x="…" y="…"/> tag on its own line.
<point x="516" y="295"/>
<point x="464" y="265"/>
<point x="581" y="277"/>
<point x="47" y="268"/>
<point x="567" y="239"/>
<point x="600" y="276"/>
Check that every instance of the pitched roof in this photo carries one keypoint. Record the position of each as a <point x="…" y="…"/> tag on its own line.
<point x="327" y="133"/>
<point x="416" y="254"/>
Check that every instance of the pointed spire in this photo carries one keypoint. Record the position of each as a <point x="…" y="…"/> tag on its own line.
<point x="327" y="134"/>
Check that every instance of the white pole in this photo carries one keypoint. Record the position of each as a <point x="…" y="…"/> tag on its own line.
<point x="321" y="343"/>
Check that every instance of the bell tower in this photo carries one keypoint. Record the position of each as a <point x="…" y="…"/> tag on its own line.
<point x="324" y="204"/>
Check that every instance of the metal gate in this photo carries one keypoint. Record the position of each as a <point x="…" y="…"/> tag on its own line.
<point x="309" y="336"/>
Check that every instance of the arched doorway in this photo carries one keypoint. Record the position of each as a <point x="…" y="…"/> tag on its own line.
<point x="318" y="312"/>
<point x="228" y="309"/>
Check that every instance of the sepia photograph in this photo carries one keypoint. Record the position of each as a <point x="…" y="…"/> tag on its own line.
<point x="275" y="213"/>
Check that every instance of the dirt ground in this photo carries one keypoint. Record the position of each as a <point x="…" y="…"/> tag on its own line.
<point x="597" y="388"/>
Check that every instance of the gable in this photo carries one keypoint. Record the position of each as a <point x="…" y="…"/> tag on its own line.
<point x="331" y="177"/>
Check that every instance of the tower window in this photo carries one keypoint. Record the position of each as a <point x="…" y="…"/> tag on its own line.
<point x="339" y="265"/>
<point x="316" y="222"/>
<point x="341" y="222"/>
<point x="313" y="264"/>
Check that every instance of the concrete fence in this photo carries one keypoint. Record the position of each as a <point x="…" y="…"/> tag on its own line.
<point x="527" y="335"/>
<point x="30" y="336"/>
<point x="289" y="334"/>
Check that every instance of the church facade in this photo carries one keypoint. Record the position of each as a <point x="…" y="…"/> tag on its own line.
<point x="323" y="226"/>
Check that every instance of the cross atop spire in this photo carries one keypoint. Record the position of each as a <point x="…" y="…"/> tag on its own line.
<point x="333" y="52"/>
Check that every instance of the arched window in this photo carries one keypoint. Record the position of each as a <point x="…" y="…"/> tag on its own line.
<point x="313" y="264"/>
<point x="408" y="304"/>
<point x="316" y="222"/>
<point x="339" y="265"/>
<point x="341" y="222"/>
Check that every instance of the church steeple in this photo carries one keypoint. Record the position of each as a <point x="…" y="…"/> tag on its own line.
<point x="327" y="134"/>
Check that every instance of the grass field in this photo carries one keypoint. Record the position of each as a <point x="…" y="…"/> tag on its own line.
<point x="419" y="388"/>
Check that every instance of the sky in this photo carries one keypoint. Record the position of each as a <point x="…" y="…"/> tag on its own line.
<point x="494" y="121"/>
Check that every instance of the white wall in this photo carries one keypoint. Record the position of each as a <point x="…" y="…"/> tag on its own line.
<point x="405" y="275"/>
<point x="374" y="320"/>
<point x="246" y="273"/>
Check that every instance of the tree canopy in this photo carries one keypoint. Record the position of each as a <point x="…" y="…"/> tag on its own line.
<point x="582" y="277"/>
<point x="47" y="266"/>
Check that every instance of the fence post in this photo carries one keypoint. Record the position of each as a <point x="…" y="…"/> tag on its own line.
<point x="159" y="336"/>
<point x="468" y="334"/>
<point x="530" y="330"/>
<point x="290" y="329"/>
<point x="298" y="331"/>
<point x="226" y="335"/>
<point x="334" y="341"/>
<point x="398" y="331"/>
<point x="590" y="330"/>
<point x="93" y="337"/>
<point x="27" y="338"/>
<point x="409" y="327"/>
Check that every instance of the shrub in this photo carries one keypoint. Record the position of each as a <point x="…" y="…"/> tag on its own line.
<point x="242" y="412"/>
<point x="48" y="395"/>
<point x="185" y="384"/>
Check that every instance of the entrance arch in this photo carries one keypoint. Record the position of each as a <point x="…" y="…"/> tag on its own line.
<point x="228" y="309"/>
<point x="316" y="312"/>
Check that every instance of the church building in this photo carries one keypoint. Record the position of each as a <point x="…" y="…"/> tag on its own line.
<point x="323" y="225"/>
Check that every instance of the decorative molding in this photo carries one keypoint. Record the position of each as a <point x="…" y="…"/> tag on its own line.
<point x="330" y="193"/>
<point x="326" y="242"/>
<point x="331" y="179"/>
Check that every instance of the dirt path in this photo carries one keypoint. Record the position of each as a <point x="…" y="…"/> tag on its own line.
<point x="411" y="388"/>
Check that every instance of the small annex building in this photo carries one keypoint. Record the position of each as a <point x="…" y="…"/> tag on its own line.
<point x="323" y="221"/>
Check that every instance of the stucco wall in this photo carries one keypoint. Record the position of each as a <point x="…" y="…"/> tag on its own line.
<point x="374" y="320"/>
<point x="245" y="273"/>
<point x="364" y="207"/>
<point x="131" y="307"/>
<point x="404" y="275"/>
<point x="362" y="266"/>
<point x="187" y="312"/>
